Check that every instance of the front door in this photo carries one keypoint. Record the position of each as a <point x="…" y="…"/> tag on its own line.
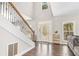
<point x="45" y="31"/>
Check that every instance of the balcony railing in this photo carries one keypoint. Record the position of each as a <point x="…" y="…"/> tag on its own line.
<point x="10" y="12"/>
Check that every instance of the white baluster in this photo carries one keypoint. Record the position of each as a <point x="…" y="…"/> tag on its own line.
<point x="0" y="7"/>
<point x="2" y="10"/>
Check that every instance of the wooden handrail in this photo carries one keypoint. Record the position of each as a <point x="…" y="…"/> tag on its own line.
<point x="20" y="15"/>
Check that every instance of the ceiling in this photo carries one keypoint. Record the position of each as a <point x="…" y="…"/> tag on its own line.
<point x="65" y="8"/>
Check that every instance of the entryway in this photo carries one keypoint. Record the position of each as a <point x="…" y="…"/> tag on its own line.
<point x="45" y="31"/>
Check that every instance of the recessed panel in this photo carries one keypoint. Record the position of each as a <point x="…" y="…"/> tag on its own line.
<point x="10" y="50"/>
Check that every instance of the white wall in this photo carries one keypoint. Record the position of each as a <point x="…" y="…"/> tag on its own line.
<point x="40" y="14"/>
<point x="25" y="8"/>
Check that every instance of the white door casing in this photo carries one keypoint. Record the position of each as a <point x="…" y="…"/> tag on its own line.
<point x="45" y="31"/>
<point x="66" y="22"/>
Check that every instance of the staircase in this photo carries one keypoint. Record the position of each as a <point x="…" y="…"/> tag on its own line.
<point x="14" y="26"/>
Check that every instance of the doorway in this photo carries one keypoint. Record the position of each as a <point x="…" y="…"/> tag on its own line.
<point x="45" y="31"/>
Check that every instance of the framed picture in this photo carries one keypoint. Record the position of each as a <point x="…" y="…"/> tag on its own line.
<point x="44" y="5"/>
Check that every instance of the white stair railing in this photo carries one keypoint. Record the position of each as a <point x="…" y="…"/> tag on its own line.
<point x="8" y="10"/>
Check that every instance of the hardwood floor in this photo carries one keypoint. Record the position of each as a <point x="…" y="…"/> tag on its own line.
<point x="48" y="49"/>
